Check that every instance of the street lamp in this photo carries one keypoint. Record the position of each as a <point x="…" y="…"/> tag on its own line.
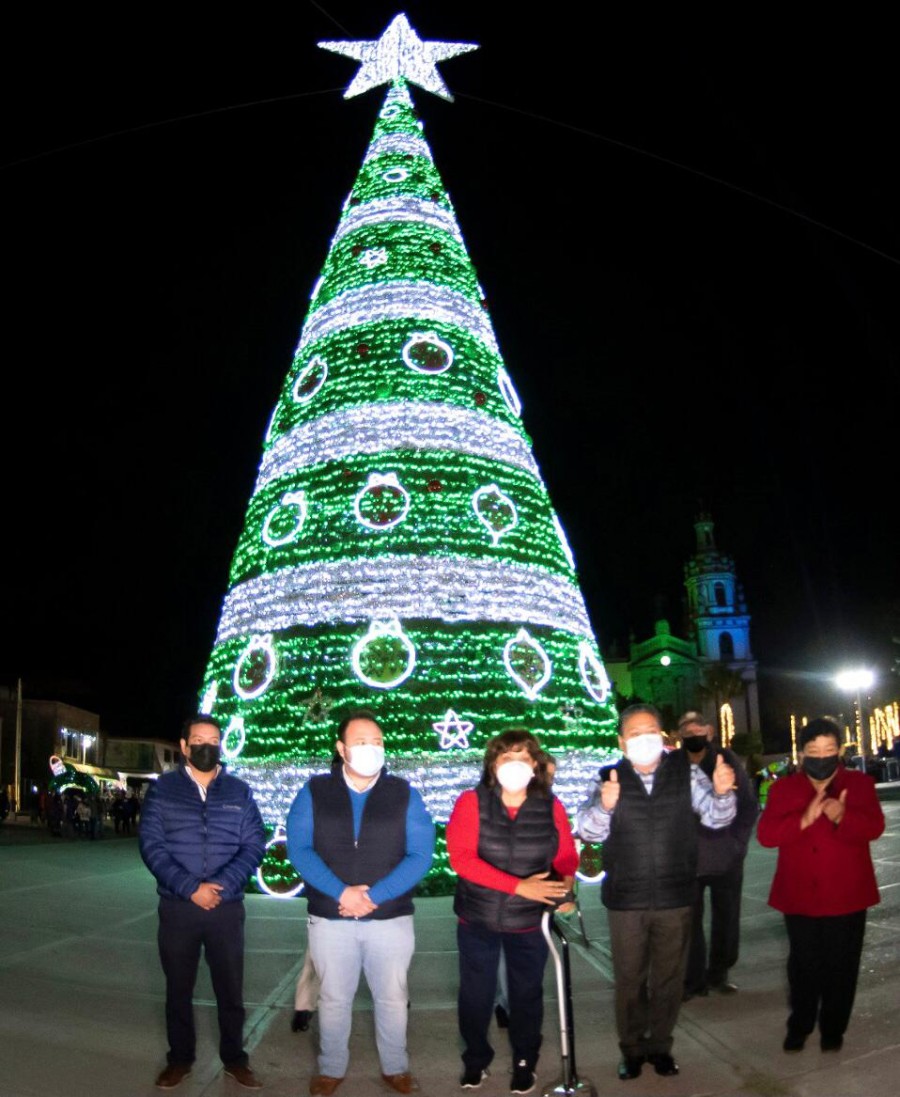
<point x="855" y="681"/>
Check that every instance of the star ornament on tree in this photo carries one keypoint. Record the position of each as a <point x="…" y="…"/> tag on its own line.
<point x="454" y="731"/>
<point x="399" y="52"/>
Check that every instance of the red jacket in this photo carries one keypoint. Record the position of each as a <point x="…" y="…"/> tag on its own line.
<point x="825" y="869"/>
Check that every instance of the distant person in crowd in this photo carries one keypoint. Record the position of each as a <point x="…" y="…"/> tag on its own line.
<point x="4" y="804"/>
<point x="822" y="820"/>
<point x="362" y="839"/>
<point x="83" y="818"/>
<point x="56" y="814"/>
<point x="117" y="811"/>
<point x="510" y="843"/>
<point x="644" y="810"/>
<point x="721" y="853"/>
<point x="202" y="837"/>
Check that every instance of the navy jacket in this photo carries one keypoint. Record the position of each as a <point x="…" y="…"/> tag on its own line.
<point x="186" y="841"/>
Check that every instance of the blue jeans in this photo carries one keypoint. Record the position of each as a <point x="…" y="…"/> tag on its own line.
<point x="341" y="950"/>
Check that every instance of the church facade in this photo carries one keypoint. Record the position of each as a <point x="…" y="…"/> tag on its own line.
<point x="713" y="668"/>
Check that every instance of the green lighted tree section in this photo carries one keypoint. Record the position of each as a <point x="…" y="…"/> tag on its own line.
<point x="400" y="550"/>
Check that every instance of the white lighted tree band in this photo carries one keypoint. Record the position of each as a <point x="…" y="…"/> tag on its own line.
<point x="420" y="587"/>
<point x="384" y="428"/>
<point x="407" y="209"/>
<point x="399" y="144"/>
<point x="374" y="304"/>
<point x="439" y="776"/>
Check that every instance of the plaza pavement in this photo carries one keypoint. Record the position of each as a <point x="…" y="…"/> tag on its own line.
<point x="81" y="992"/>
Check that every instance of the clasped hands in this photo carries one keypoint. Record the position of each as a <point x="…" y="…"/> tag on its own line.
<point x="831" y="808"/>
<point x="355" y="902"/>
<point x="207" y="895"/>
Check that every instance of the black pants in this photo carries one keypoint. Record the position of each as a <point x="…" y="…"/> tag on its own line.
<point x="185" y="929"/>
<point x="649" y="950"/>
<point x="724" y="929"/>
<point x="822" y="968"/>
<point x="479" y="955"/>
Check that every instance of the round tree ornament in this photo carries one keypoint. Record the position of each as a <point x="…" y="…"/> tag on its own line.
<point x="256" y="667"/>
<point x="527" y="663"/>
<point x="495" y="510"/>
<point x="426" y="353"/>
<point x="385" y="656"/>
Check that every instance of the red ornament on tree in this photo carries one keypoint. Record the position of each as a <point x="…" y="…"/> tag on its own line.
<point x="480" y="399"/>
<point x="362" y="350"/>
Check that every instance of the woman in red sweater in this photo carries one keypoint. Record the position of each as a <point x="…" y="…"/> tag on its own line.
<point x="511" y="845"/>
<point x="822" y="819"/>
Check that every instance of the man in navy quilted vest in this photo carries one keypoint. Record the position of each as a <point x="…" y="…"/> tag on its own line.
<point x="362" y="840"/>
<point x="202" y="837"/>
<point x="643" y="811"/>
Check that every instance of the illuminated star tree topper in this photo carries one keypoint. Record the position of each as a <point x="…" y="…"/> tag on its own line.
<point x="399" y="52"/>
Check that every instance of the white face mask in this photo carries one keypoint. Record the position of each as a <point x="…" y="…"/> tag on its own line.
<point x="365" y="759"/>
<point x="644" y="750"/>
<point x="514" y="776"/>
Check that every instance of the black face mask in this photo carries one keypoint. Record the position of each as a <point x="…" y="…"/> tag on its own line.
<point x="820" y="769"/>
<point x="204" y="756"/>
<point x="694" y="743"/>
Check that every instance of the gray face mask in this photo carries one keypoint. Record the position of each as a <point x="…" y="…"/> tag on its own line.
<point x="820" y="769"/>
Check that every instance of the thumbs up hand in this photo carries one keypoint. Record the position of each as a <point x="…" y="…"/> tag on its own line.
<point x="723" y="776"/>
<point x="609" y="791"/>
<point x="835" y="809"/>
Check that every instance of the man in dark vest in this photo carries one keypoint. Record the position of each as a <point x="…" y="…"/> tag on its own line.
<point x="720" y="868"/>
<point x="643" y="811"/>
<point x="361" y="839"/>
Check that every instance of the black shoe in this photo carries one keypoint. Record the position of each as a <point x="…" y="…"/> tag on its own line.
<point x="630" y="1067"/>
<point x="724" y="987"/>
<point x="502" y="1017"/>
<point x="831" y="1043"/>
<point x="694" y="992"/>
<point x="523" y="1079"/>
<point x="472" y="1078"/>
<point x="300" y="1022"/>
<point x="663" y="1063"/>
<point x="794" y="1041"/>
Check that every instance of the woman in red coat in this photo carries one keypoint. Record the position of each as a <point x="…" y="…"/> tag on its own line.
<point x="822" y="819"/>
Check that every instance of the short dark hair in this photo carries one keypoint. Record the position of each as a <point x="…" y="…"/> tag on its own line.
<point x="509" y="740"/>
<point x="821" y="725"/>
<point x="694" y="717"/>
<point x="357" y="714"/>
<point x="199" y="718"/>
<point x="633" y="710"/>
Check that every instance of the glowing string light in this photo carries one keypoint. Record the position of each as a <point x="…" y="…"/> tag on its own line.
<point x="593" y="673"/>
<point x="289" y="499"/>
<point x="389" y="488"/>
<point x="387" y="646"/>
<point x="453" y="731"/>
<point x="527" y="663"/>
<point x="234" y="738"/>
<point x="259" y="648"/>
<point x="495" y="511"/>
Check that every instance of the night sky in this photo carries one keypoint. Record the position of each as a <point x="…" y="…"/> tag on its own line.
<point x="687" y="233"/>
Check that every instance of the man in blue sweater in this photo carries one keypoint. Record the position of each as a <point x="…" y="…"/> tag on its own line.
<point x="202" y="837"/>
<point x="361" y="839"/>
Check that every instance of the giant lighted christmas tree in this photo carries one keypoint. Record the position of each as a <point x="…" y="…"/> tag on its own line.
<point x="400" y="550"/>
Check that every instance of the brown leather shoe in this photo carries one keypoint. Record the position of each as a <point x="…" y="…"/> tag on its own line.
<point x="173" y="1075"/>
<point x="401" y="1083"/>
<point x="323" y="1084"/>
<point x="244" y="1076"/>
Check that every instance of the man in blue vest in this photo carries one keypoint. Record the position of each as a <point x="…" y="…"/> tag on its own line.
<point x="361" y="839"/>
<point x="643" y="811"/>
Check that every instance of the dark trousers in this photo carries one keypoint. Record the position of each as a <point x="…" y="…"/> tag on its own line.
<point x="185" y="929"/>
<point x="479" y="955"/>
<point x="724" y="929"/>
<point x="822" y="968"/>
<point x="649" y="951"/>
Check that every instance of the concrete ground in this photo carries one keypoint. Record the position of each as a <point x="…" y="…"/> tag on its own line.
<point x="81" y="992"/>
